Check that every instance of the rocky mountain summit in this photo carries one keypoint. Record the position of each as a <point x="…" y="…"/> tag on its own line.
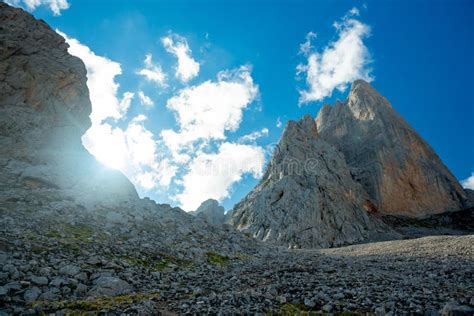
<point x="211" y="212"/>
<point x="76" y="239"/>
<point x="332" y="179"/>
<point x="401" y="173"/>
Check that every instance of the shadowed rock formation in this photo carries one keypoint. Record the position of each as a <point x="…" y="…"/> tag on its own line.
<point x="44" y="111"/>
<point x="401" y="173"/>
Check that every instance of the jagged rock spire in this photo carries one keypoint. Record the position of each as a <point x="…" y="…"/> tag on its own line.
<point x="399" y="170"/>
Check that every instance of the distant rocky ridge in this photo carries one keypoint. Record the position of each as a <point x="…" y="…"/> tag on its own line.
<point x="211" y="212"/>
<point x="358" y="161"/>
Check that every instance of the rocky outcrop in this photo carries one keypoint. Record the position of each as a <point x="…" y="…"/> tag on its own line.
<point x="401" y="173"/>
<point x="211" y="212"/>
<point x="307" y="197"/>
<point x="44" y="110"/>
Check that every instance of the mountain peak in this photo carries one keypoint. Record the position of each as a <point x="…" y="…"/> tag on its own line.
<point x="398" y="169"/>
<point x="211" y="212"/>
<point x="305" y="127"/>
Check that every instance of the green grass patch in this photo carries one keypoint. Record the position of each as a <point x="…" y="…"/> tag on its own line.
<point x="217" y="259"/>
<point x="53" y="234"/>
<point x="79" y="232"/>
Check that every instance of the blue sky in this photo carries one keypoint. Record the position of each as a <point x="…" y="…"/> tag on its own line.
<point x="420" y="55"/>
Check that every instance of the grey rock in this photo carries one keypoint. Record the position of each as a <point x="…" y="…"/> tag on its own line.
<point x="13" y="286"/>
<point x="69" y="270"/>
<point x="51" y="295"/>
<point x="81" y="288"/>
<point x="281" y="299"/>
<point x="3" y="276"/>
<point x="327" y="308"/>
<point x="307" y="197"/>
<point x="44" y="111"/>
<point x="9" y="268"/>
<point x="110" y="286"/>
<point x="455" y="309"/>
<point x="58" y="282"/>
<point x="31" y="294"/>
<point x="309" y="302"/>
<point x="45" y="271"/>
<point x="39" y="280"/>
<point x="81" y="277"/>
<point x="211" y="212"/>
<point x="401" y="173"/>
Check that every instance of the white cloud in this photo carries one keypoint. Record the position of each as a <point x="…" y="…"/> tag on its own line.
<point x="187" y="68"/>
<point x="152" y="71"/>
<point x="278" y="123"/>
<point x="103" y="88"/>
<point x="54" y="5"/>
<point x="252" y="137"/>
<point x="204" y="112"/>
<point x="307" y="46"/>
<point x="132" y="151"/>
<point x="145" y="100"/>
<point x="340" y="63"/>
<point x="354" y="11"/>
<point x="469" y="182"/>
<point x="212" y="175"/>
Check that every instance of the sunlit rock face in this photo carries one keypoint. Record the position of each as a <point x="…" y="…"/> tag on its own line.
<point x="396" y="167"/>
<point x="307" y="197"/>
<point x="44" y="111"/>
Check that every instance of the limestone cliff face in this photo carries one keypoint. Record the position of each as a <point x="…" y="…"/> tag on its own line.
<point x="44" y="110"/>
<point x="307" y="197"/>
<point x="41" y="83"/>
<point x="396" y="167"/>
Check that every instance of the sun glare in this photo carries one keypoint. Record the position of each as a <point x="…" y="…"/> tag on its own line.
<point x="111" y="155"/>
<point x="107" y="145"/>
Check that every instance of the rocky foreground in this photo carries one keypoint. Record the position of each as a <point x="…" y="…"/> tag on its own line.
<point x="60" y="263"/>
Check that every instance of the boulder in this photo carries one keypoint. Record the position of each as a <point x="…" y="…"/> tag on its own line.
<point x="110" y="286"/>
